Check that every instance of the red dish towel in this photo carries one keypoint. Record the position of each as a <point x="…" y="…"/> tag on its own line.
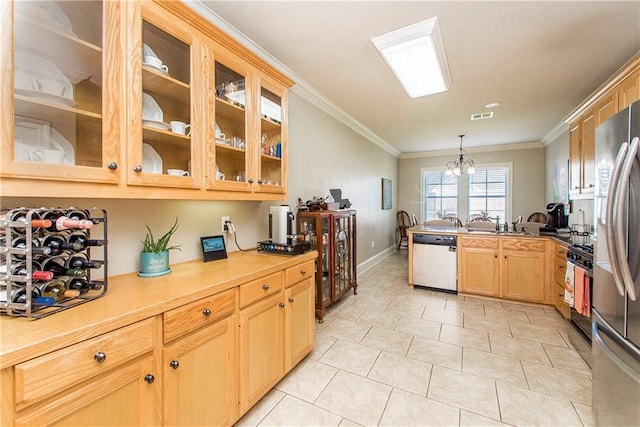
<point x="582" y="292"/>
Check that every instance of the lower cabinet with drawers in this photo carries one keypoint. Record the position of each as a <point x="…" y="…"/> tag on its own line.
<point x="202" y="362"/>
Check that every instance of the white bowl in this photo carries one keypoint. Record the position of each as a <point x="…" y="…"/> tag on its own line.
<point x="150" y="109"/>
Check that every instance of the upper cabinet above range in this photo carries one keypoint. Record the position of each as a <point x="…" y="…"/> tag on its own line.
<point x="620" y="91"/>
<point x="136" y="99"/>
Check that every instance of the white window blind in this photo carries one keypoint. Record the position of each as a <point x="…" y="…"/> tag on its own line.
<point x="488" y="191"/>
<point x="440" y="195"/>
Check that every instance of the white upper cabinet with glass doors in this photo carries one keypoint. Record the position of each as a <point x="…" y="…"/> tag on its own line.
<point x="167" y="105"/>
<point x="54" y="127"/>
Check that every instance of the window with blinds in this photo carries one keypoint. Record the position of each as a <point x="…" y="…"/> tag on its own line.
<point x="440" y="195"/>
<point x="488" y="191"/>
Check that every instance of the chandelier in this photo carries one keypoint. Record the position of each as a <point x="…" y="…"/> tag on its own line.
<point x="456" y="167"/>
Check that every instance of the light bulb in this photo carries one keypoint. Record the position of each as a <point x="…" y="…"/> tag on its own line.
<point x="471" y="170"/>
<point x="449" y="172"/>
<point x="457" y="171"/>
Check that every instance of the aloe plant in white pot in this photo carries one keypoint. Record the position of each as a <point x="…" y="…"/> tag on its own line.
<point x="154" y="258"/>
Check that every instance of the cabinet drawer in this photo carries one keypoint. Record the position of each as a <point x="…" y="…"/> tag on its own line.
<point x="533" y="244"/>
<point x="46" y="375"/>
<point x="558" y="301"/>
<point x="480" y="242"/>
<point x="253" y="291"/>
<point x="559" y="270"/>
<point x="190" y="317"/>
<point x="560" y="251"/>
<point x="298" y="273"/>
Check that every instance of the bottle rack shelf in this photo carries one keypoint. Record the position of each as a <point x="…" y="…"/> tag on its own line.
<point x="29" y="251"/>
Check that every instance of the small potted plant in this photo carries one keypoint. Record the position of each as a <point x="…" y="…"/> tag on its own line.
<point x="154" y="258"/>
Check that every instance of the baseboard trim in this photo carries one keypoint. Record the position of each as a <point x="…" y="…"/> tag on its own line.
<point x="370" y="262"/>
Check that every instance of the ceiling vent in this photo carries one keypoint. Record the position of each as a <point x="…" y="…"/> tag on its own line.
<point x="482" y="116"/>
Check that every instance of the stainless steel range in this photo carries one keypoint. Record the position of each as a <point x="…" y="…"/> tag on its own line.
<point x="581" y="255"/>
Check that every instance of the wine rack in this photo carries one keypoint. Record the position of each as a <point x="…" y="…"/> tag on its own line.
<point x="62" y="251"/>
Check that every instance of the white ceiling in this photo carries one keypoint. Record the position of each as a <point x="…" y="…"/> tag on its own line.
<point x="539" y="59"/>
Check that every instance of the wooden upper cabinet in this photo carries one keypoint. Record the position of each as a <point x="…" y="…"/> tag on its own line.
<point x="629" y="90"/>
<point x="168" y="90"/>
<point x="61" y="105"/>
<point x="129" y="94"/>
<point x="575" y="158"/>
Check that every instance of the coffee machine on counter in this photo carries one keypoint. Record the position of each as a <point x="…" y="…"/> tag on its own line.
<point x="282" y="239"/>
<point x="557" y="216"/>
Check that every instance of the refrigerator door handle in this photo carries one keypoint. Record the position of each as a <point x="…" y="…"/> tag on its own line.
<point x="600" y="324"/>
<point x="611" y="196"/>
<point x="623" y="184"/>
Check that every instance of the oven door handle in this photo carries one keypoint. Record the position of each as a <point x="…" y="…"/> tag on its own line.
<point x="621" y="241"/>
<point x="612" y="193"/>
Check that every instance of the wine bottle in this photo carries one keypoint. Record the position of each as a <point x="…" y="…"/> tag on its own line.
<point x="81" y="261"/>
<point x="57" y="267"/>
<point x="21" y="215"/>
<point x="57" y="244"/>
<point x="19" y="296"/>
<point x="20" y="269"/>
<point x="57" y="290"/>
<point x="61" y="222"/>
<point x="82" y="239"/>
<point x="21" y="243"/>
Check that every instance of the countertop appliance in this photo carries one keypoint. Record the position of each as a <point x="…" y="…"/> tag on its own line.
<point x="616" y="280"/>
<point x="581" y="255"/>
<point x="557" y="216"/>
<point x="435" y="262"/>
<point x="280" y="223"/>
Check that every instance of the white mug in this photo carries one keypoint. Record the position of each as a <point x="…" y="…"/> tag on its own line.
<point x="177" y="172"/>
<point x="155" y="62"/>
<point x="52" y="87"/>
<point x="220" y="176"/>
<point x="47" y="156"/>
<point x="180" y="127"/>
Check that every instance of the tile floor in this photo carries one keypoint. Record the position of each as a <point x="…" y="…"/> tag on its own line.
<point x="397" y="356"/>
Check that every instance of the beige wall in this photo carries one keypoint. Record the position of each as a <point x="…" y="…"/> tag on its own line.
<point x="323" y="154"/>
<point x="527" y="172"/>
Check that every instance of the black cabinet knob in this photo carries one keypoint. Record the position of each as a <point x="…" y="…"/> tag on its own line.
<point x="206" y="312"/>
<point x="113" y="166"/>
<point x="100" y="357"/>
<point x="138" y="169"/>
<point x="174" y="364"/>
<point x="149" y="378"/>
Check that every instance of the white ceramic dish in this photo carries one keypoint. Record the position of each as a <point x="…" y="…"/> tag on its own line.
<point x="47" y="96"/>
<point x="60" y="143"/>
<point x="223" y="141"/>
<point x="160" y="70"/>
<point x="157" y="125"/>
<point x="151" y="160"/>
<point x="33" y="70"/>
<point x="147" y="51"/>
<point x="48" y="12"/>
<point x="151" y="111"/>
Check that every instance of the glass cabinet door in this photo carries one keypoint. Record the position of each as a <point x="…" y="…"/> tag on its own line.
<point x="324" y="261"/>
<point x="343" y="257"/>
<point x="272" y="140"/>
<point x="61" y="91"/>
<point x="231" y="165"/>
<point x="163" y="143"/>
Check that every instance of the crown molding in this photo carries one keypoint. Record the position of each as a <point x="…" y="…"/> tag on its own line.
<point x="554" y="133"/>
<point x="301" y="87"/>
<point x="470" y="150"/>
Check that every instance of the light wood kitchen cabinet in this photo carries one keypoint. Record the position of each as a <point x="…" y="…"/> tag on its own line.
<point x="115" y="374"/>
<point x="504" y="267"/>
<point x="582" y="156"/>
<point x="62" y="108"/>
<point x="523" y="269"/>
<point x="629" y="90"/>
<point x="558" y="275"/>
<point x="479" y="265"/>
<point x="113" y="119"/>
<point x="277" y="329"/>
<point x="199" y="363"/>
<point x="261" y="349"/>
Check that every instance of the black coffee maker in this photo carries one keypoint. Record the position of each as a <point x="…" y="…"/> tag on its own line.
<point x="557" y="216"/>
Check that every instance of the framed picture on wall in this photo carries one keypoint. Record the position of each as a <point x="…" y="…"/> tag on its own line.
<point x="386" y="194"/>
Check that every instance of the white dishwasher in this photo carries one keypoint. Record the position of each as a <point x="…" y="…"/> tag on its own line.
<point x="435" y="262"/>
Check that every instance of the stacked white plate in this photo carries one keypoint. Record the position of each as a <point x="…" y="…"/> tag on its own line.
<point x="40" y="78"/>
<point x="152" y="114"/>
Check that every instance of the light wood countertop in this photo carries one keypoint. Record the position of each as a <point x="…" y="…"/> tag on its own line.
<point x="130" y="298"/>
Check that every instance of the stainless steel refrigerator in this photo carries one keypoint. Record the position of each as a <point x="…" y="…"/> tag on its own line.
<point x="616" y="272"/>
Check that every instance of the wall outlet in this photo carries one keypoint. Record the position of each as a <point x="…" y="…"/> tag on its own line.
<point x="373" y="244"/>
<point x="224" y="225"/>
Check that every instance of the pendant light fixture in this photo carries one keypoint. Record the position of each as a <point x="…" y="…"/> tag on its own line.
<point x="456" y="167"/>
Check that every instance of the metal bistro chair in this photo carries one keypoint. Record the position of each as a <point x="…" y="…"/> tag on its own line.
<point x="403" y="221"/>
